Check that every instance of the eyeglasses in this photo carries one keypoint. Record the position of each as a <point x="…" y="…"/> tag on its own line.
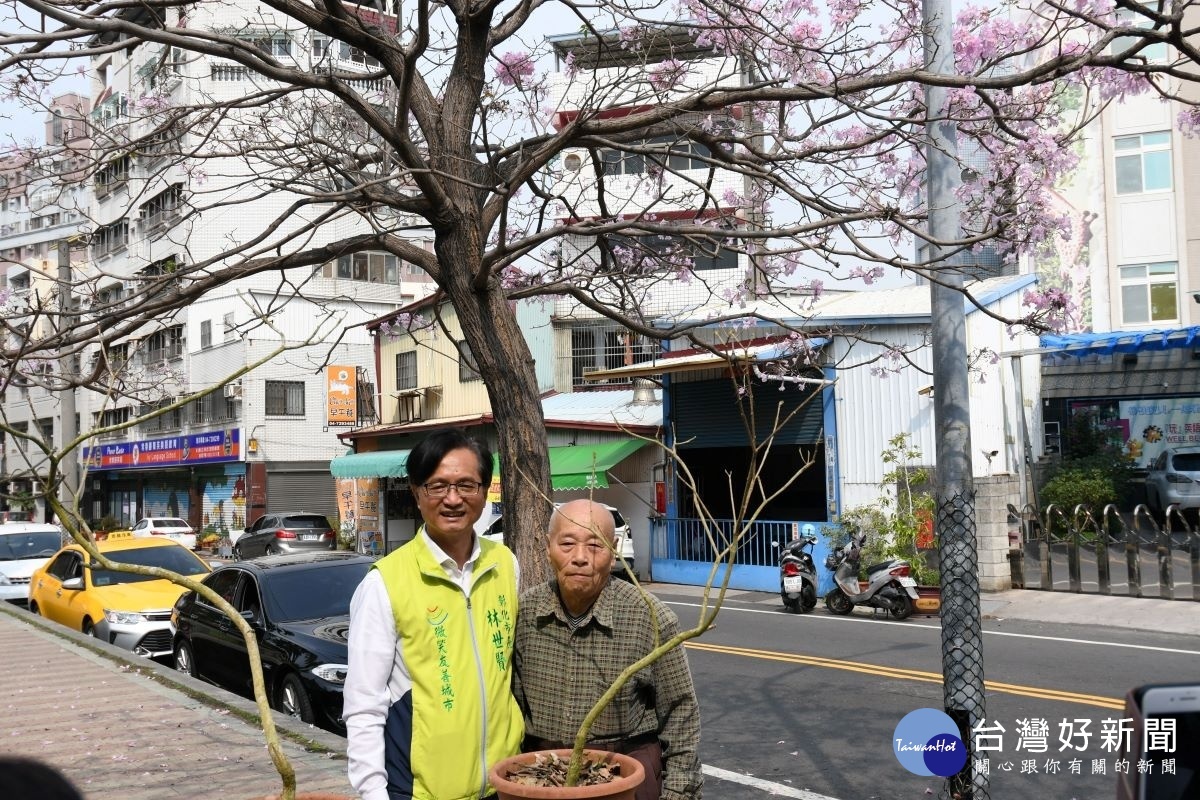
<point x="464" y="488"/>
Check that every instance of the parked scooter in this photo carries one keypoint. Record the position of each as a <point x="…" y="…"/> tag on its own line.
<point x="798" y="573"/>
<point x="889" y="584"/>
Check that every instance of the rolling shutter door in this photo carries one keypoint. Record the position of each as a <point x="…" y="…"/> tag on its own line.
<point x="707" y="413"/>
<point x="306" y="489"/>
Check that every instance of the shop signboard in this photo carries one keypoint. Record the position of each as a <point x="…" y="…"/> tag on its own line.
<point x="358" y="507"/>
<point x="207" y="447"/>
<point x="341" y="393"/>
<point x="1146" y="427"/>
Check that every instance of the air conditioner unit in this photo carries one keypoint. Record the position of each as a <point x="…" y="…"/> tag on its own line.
<point x="233" y="391"/>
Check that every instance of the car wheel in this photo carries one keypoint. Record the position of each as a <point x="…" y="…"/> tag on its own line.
<point x="88" y="628"/>
<point x="185" y="662"/>
<point x="237" y="552"/>
<point x="291" y="698"/>
<point x="33" y="608"/>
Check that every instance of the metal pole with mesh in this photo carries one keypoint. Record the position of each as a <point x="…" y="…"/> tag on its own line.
<point x="962" y="641"/>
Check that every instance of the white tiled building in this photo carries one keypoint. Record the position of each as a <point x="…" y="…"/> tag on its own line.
<point x="43" y="202"/>
<point x="167" y="197"/>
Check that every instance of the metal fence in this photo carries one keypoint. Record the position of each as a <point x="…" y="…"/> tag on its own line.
<point x="1114" y="552"/>
<point x="683" y="551"/>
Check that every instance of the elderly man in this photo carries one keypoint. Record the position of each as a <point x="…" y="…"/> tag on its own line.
<point x="577" y="632"/>
<point x="427" y="701"/>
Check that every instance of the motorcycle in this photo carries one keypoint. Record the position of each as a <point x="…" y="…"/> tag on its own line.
<point x="889" y="584"/>
<point x="798" y="573"/>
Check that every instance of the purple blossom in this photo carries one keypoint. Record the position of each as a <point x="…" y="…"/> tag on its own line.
<point x="514" y="68"/>
<point x="869" y="276"/>
<point x="1189" y="120"/>
<point x="667" y="74"/>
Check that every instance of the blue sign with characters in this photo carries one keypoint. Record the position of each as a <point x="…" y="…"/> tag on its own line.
<point x="207" y="447"/>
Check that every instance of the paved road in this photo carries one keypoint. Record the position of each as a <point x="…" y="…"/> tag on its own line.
<point x="810" y="703"/>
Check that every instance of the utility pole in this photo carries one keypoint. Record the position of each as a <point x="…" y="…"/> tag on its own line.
<point x="962" y="639"/>
<point x="68" y="488"/>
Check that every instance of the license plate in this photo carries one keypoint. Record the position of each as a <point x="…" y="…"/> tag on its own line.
<point x="793" y="584"/>
<point x="312" y="537"/>
<point x="907" y="582"/>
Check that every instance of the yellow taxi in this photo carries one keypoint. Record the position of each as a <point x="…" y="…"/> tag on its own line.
<point x="122" y="608"/>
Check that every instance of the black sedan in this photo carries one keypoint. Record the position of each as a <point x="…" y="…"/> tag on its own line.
<point x="299" y="605"/>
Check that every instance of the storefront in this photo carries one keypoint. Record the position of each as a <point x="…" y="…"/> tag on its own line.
<point x="199" y="476"/>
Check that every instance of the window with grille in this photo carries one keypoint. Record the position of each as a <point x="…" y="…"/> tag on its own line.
<point x="367" y="267"/>
<point x="110" y="238"/>
<point x="638" y="254"/>
<point x="676" y="154"/>
<point x="163" y="208"/>
<point x="112" y="175"/>
<point x="164" y="345"/>
<point x="468" y="367"/>
<point x="366" y="400"/>
<point x="406" y="370"/>
<point x="205" y="334"/>
<point x="285" y="398"/>
<point x="597" y="347"/>
<point x="213" y="407"/>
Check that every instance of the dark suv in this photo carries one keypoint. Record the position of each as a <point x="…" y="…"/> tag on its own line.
<point x="285" y="533"/>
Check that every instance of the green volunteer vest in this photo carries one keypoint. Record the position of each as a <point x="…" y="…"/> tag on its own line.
<point x="459" y="656"/>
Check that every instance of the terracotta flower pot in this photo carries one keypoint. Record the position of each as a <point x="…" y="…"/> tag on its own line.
<point x="622" y="788"/>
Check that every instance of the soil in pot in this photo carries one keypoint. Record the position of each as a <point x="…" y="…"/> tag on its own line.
<point x="541" y="775"/>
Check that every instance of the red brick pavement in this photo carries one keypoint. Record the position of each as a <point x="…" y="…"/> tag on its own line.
<point x="115" y="733"/>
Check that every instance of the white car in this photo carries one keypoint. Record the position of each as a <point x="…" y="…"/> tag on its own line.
<point x="495" y="532"/>
<point x="24" y="546"/>
<point x="1174" y="477"/>
<point x="174" y="528"/>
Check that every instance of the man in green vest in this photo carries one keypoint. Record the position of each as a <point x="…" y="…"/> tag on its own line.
<point x="427" y="700"/>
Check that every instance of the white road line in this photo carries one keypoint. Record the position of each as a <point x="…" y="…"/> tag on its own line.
<point x="777" y="789"/>
<point x="825" y="618"/>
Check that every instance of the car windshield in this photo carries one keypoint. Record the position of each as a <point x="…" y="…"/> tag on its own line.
<point x="323" y="591"/>
<point x="35" y="544"/>
<point x="168" y="522"/>
<point x="306" y="522"/>
<point x="174" y="558"/>
<point x="1187" y="462"/>
<point x="618" y="520"/>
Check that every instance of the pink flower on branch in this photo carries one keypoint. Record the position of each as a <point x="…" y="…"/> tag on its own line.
<point x="668" y="74"/>
<point x="514" y="69"/>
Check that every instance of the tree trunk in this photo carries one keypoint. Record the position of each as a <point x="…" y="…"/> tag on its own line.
<point x="490" y="327"/>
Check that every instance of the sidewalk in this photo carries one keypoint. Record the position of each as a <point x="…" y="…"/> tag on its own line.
<point x="126" y="728"/>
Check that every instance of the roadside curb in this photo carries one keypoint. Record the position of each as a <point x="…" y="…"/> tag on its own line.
<point x="308" y="737"/>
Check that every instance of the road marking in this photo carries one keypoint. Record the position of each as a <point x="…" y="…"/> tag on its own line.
<point x="920" y="626"/>
<point x="777" y="789"/>
<point x="901" y="673"/>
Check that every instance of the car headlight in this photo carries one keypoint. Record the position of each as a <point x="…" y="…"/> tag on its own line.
<point x="123" y="617"/>
<point x="334" y="673"/>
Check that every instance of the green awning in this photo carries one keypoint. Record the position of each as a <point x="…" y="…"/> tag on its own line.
<point x="381" y="464"/>
<point x="585" y="466"/>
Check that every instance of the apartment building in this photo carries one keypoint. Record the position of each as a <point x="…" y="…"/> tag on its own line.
<point x="169" y="192"/>
<point x="44" y="201"/>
